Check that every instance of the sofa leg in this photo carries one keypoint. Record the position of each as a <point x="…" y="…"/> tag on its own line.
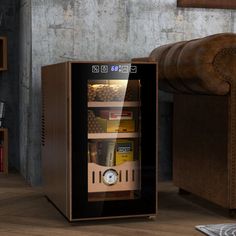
<point x="183" y="192"/>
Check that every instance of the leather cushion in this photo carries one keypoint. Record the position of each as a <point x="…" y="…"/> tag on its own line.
<point x="200" y="66"/>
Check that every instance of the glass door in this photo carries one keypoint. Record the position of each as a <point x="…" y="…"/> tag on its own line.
<point x="114" y="139"/>
<point x="113" y="125"/>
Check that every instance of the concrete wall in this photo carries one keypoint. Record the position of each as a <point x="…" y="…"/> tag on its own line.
<point x="9" y="79"/>
<point x="25" y="68"/>
<point x="108" y="30"/>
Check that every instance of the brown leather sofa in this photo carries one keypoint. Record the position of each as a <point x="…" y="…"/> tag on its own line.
<point x="201" y="74"/>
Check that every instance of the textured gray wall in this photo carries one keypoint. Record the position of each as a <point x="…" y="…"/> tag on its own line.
<point x="107" y="30"/>
<point x="9" y="82"/>
<point x="25" y="68"/>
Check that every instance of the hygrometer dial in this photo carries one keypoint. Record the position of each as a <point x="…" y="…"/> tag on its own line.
<point x="110" y="177"/>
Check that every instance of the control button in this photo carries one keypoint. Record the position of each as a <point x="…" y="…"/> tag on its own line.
<point x="104" y="69"/>
<point x="133" y="69"/>
<point x="95" y="69"/>
<point x="125" y="69"/>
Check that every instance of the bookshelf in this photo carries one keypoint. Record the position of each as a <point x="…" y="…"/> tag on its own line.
<point x="3" y="151"/>
<point x="3" y="53"/>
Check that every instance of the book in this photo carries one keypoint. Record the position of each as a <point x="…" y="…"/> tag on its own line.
<point x="1" y="160"/>
<point x="116" y="114"/>
<point x="2" y="112"/>
<point x="2" y="109"/>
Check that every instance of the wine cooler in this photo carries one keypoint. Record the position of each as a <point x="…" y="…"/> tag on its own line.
<point x="99" y="145"/>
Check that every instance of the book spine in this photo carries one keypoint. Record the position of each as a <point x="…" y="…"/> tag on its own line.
<point x="2" y="108"/>
<point x="1" y="159"/>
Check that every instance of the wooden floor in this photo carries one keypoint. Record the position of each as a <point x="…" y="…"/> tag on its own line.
<point x="25" y="211"/>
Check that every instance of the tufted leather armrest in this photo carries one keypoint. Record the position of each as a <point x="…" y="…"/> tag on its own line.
<point x="200" y="66"/>
<point x="204" y="124"/>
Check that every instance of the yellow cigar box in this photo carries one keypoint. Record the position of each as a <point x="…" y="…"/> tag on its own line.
<point x="111" y="126"/>
<point x="124" y="151"/>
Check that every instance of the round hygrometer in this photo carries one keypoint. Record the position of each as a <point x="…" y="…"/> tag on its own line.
<point x="110" y="177"/>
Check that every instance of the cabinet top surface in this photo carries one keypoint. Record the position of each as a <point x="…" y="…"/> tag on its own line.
<point x="103" y="62"/>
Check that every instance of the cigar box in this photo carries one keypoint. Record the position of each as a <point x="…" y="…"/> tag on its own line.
<point x="116" y="114"/>
<point x="124" y="151"/>
<point x="111" y="126"/>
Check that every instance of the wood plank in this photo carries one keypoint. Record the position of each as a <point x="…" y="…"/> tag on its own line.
<point x="226" y="4"/>
<point x="112" y="135"/>
<point x="25" y="211"/>
<point x="3" y="53"/>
